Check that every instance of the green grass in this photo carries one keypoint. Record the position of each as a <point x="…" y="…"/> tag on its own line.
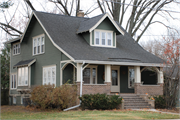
<point x="86" y="115"/>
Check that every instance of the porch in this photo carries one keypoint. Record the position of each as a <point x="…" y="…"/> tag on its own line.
<point x="111" y="79"/>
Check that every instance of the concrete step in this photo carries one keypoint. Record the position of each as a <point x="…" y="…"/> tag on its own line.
<point x="141" y="104"/>
<point x="137" y="107"/>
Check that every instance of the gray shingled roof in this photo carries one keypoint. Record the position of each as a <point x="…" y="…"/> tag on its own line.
<point x="62" y="30"/>
<point x="88" y="23"/>
<point x="23" y="63"/>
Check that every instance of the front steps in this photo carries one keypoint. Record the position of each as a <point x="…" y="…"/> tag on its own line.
<point x="133" y="101"/>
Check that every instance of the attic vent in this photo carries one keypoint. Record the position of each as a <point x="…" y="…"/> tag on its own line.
<point x="80" y="13"/>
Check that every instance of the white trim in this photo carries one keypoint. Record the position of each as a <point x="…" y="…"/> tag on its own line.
<point x="113" y="22"/>
<point x="129" y="77"/>
<point x="64" y="61"/>
<point x="119" y="63"/>
<point x="15" y="73"/>
<point x="29" y="72"/>
<point x="67" y="64"/>
<point x="115" y="39"/>
<point x="31" y="62"/>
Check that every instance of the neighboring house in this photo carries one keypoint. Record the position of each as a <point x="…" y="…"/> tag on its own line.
<point x="56" y="48"/>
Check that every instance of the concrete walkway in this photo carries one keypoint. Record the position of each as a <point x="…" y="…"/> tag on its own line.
<point x="154" y="110"/>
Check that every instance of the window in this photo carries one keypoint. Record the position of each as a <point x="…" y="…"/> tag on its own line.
<point x="90" y="75"/>
<point x="114" y="77"/>
<point x="16" y="49"/>
<point x="23" y="76"/>
<point x="38" y="45"/>
<point x="13" y="81"/>
<point x="14" y="100"/>
<point x="131" y="77"/>
<point x="49" y="75"/>
<point x="103" y="38"/>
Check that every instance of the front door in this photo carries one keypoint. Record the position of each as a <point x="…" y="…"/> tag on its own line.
<point x="115" y="79"/>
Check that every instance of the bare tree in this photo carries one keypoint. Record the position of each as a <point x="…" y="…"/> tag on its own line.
<point x="140" y="16"/>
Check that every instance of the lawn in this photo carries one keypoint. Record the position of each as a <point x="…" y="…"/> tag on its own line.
<point x="18" y="112"/>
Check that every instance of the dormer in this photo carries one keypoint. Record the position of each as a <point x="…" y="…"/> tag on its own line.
<point x="100" y="31"/>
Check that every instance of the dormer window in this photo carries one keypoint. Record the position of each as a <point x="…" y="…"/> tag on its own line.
<point x="103" y="38"/>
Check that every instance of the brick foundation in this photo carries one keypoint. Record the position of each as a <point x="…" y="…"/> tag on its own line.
<point x="94" y="88"/>
<point x="150" y="89"/>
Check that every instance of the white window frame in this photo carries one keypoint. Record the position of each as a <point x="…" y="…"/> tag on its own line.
<point x="20" y="77"/>
<point x="91" y="75"/>
<point x="129" y="77"/>
<point x="48" y="67"/>
<point x="12" y="79"/>
<point x="36" y="39"/>
<point x="100" y="38"/>
<point x="17" y="47"/>
<point x="14" y="100"/>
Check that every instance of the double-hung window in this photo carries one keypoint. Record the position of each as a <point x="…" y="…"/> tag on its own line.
<point x="16" y="49"/>
<point x="103" y="38"/>
<point x="131" y="77"/>
<point x="49" y="75"/>
<point x="90" y="75"/>
<point x="13" y="81"/>
<point x="38" y="45"/>
<point x="23" y="76"/>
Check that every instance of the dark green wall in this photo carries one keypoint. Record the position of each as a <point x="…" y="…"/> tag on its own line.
<point x="100" y="73"/>
<point x="124" y="80"/>
<point x="52" y="55"/>
<point x="68" y="73"/>
<point x="86" y="36"/>
<point x="149" y="77"/>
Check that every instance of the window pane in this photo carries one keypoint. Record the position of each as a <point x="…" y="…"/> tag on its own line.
<point x="49" y="76"/>
<point x="18" y="48"/>
<point x="26" y="75"/>
<point x="114" y="77"/>
<point x="103" y="38"/>
<point x="34" y="46"/>
<point x="86" y="76"/>
<point x="42" y="45"/>
<point x="45" y="76"/>
<point x="14" y="81"/>
<point x="22" y="76"/>
<point x="94" y="75"/>
<point x="109" y="38"/>
<point x="53" y="75"/>
<point x="14" y="49"/>
<point x="19" y="76"/>
<point x="38" y="44"/>
<point x="97" y="37"/>
<point x="14" y="100"/>
<point x="131" y="77"/>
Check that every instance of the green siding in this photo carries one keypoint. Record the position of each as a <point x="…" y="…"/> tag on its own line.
<point x="124" y="80"/>
<point x="52" y="56"/>
<point x="86" y="36"/>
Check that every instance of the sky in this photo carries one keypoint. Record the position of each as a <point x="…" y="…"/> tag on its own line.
<point x="155" y="31"/>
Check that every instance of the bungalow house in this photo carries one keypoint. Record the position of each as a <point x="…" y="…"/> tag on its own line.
<point x="58" y="48"/>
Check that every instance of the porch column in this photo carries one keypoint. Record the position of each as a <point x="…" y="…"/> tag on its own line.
<point x="78" y="73"/>
<point x="137" y="75"/>
<point x="107" y="73"/>
<point x="160" y="76"/>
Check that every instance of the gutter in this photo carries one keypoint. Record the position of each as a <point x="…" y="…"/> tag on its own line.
<point x="80" y="90"/>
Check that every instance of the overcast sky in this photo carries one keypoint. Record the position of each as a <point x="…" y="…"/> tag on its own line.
<point x="153" y="32"/>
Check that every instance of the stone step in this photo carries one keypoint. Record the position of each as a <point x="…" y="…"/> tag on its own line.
<point x="136" y="107"/>
<point x="141" y="104"/>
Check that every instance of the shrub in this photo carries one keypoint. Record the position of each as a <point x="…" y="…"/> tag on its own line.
<point x="160" y="101"/>
<point x="100" y="101"/>
<point x="46" y="96"/>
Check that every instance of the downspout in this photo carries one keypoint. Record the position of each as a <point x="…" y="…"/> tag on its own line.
<point x="80" y="90"/>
